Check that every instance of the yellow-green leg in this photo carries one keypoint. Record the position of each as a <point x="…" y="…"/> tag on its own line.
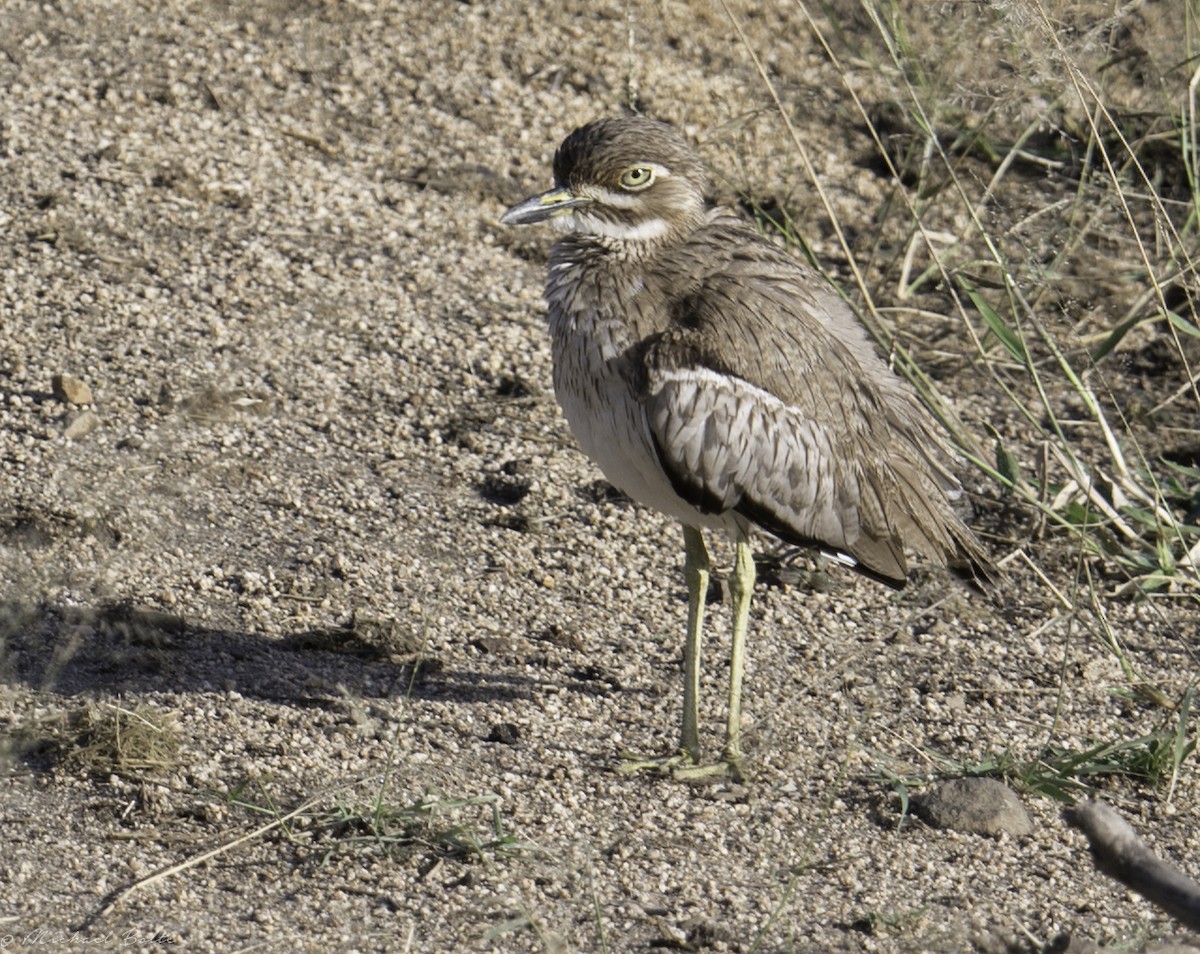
<point x="741" y="589"/>
<point x="686" y="764"/>
<point x="696" y="568"/>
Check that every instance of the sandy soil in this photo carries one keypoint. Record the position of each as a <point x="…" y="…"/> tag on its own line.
<point x="264" y="236"/>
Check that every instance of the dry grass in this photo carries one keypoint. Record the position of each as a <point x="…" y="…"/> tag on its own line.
<point x="103" y="739"/>
<point x="1043" y="200"/>
<point x="1040" y="233"/>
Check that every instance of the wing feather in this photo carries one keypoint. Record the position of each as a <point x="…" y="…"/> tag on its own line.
<point x="764" y="397"/>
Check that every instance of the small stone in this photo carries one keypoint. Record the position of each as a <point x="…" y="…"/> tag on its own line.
<point x="505" y="733"/>
<point x="81" y="424"/>
<point x="70" y="389"/>
<point x="492" y="644"/>
<point x="981" y="805"/>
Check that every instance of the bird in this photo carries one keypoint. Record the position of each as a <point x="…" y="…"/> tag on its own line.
<point x="717" y="379"/>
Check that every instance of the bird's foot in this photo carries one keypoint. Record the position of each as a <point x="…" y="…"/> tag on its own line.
<point x="633" y="762"/>
<point x="684" y="766"/>
<point x="730" y="767"/>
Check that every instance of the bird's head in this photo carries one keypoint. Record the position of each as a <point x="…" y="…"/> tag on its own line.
<point x="627" y="179"/>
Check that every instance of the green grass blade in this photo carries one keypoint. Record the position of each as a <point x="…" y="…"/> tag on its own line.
<point x="1115" y="337"/>
<point x="1005" y="334"/>
<point x="1183" y="324"/>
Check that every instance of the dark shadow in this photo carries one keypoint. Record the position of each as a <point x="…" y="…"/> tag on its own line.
<point x="116" y="648"/>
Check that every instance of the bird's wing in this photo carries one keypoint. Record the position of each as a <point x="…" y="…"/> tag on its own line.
<point x="727" y="445"/>
<point x="755" y="406"/>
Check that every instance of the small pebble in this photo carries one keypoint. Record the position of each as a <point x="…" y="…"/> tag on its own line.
<point x="70" y="390"/>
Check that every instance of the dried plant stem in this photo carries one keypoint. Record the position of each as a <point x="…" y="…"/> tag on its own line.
<point x="1122" y="855"/>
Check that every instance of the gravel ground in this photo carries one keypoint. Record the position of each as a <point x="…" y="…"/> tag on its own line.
<point x="320" y="445"/>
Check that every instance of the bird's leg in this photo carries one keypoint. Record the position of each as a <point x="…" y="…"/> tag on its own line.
<point x="696" y="567"/>
<point x="686" y="763"/>
<point x="695" y="570"/>
<point x="741" y="588"/>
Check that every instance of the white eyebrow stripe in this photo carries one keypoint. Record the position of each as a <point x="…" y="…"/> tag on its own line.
<point x="617" y="200"/>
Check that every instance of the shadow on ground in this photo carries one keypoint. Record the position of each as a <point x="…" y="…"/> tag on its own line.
<point x="118" y="648"/>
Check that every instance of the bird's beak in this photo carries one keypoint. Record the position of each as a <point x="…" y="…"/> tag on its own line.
<point x="538" y="208"/>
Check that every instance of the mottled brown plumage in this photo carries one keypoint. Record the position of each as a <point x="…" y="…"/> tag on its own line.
<point x="717" y="379"/>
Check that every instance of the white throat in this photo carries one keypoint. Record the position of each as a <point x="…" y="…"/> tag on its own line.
<point x="581" y="223"/>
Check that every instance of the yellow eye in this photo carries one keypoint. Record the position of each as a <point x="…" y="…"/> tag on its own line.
<point x="636" y="178"/>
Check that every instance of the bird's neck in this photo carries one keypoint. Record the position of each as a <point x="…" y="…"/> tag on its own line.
<point x="594" y="250"/>
<point x="595" y="294"/>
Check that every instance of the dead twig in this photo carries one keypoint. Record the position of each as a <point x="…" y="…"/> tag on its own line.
<point x="1121" y="854"/>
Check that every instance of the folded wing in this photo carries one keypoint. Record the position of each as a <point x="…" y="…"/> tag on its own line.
<point x="814" y="440"/>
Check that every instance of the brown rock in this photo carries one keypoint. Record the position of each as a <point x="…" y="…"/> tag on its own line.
<point x="70" y="389"/>
<point x="981" y="805"/>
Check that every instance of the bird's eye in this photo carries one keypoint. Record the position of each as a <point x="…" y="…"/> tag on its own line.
<point x="636" y="178"/>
